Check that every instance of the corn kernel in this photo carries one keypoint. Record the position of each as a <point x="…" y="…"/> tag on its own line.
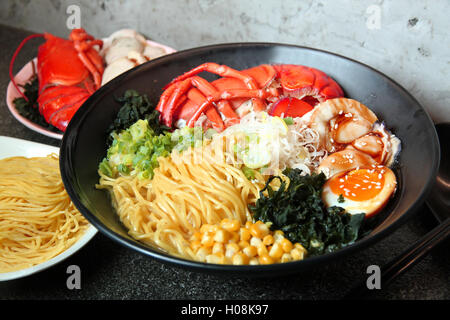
<point x="207" y="239"/>
<point x="244" y="234"/>
<point x="297" y="254"/>
<point x="256" y="242"/>
<point x="206" y="228"/>
<point x="195" y="245"/>
<point x="286" y="245"/>
<point x="268" y="240"/>
<point x="240" y="259"/>
<point x="259" y="229"/>
<point x="265" y="259"/>
<point x="230" y="225"/>
<point x="234" y="237"/>
<point x="286" y="257"/>
<point x="218" y="248"/>
<point x="196" y="236"/>
<point x="215" y="258"/>
<point x="243" y="244"/>
<point x="203" y="252"/>
<point x="254" y="230"/>
<point x="262" y="250"/>
<point x="221" y="236"/>
<point x="250" y="251"/>
<point x="278" y="234"/>
<point x="300" y="247"/>
<point x="276" y="251"/>
<point x="252" y="243"/>
<point x="231" y="249"/>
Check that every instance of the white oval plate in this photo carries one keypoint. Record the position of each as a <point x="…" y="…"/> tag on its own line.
<point x="11" y="147"/>
<point x="25" y="74"/>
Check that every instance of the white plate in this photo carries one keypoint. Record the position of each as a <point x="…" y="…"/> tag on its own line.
<point x="24" y="75"/>
<point x="10" y="147"/>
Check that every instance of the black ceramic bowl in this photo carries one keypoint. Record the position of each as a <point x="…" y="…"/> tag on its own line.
<point x="84" y="142"/>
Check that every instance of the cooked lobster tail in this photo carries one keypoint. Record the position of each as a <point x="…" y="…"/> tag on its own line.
<point x="69" y="71"/>
<point x="284" y="90"/>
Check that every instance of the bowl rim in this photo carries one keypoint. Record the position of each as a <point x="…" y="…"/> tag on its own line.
<point x="257" y="270"/>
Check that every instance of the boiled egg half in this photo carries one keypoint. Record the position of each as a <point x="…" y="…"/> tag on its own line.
<point x="360" y="190"/>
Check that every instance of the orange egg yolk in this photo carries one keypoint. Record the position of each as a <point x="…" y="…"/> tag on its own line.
<point x="359" y="184"/>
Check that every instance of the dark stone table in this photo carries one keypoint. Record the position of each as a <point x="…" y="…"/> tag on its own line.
<point x="110" y="271"/>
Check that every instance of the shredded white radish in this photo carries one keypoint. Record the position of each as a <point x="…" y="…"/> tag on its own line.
<point x="273" y="145"/>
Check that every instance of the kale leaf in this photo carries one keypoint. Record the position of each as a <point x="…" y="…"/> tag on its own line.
<point x="30" y="109"/>
<point x="298" y="211"/>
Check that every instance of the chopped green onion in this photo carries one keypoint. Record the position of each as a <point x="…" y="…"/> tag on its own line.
<point x="288" y="120"/>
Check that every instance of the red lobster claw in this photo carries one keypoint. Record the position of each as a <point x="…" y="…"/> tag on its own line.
<point x="281" y="90"/>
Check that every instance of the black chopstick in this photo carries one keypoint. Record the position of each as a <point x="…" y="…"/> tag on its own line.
<point x="406" y="260"/>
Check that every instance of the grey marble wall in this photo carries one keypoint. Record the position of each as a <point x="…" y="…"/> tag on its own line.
<point x="406" y="39"/>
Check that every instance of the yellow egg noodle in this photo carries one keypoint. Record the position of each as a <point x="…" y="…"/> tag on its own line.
<point x="188" y="189"/>
<point x="38" y="220"/>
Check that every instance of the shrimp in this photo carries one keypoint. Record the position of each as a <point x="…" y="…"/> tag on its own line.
<point x="340" y="121"/>
<point x="352" y="135"/>
<point x="345" y="160"/>
<point x="380" y="144"/>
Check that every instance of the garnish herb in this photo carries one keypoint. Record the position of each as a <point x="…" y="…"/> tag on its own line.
<point x="288" y="120"/>
<point x="135" y="107"/>
<point x="135" y="150"/>
<point x="137" y="139"/>
<point x="248" y="172"/>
